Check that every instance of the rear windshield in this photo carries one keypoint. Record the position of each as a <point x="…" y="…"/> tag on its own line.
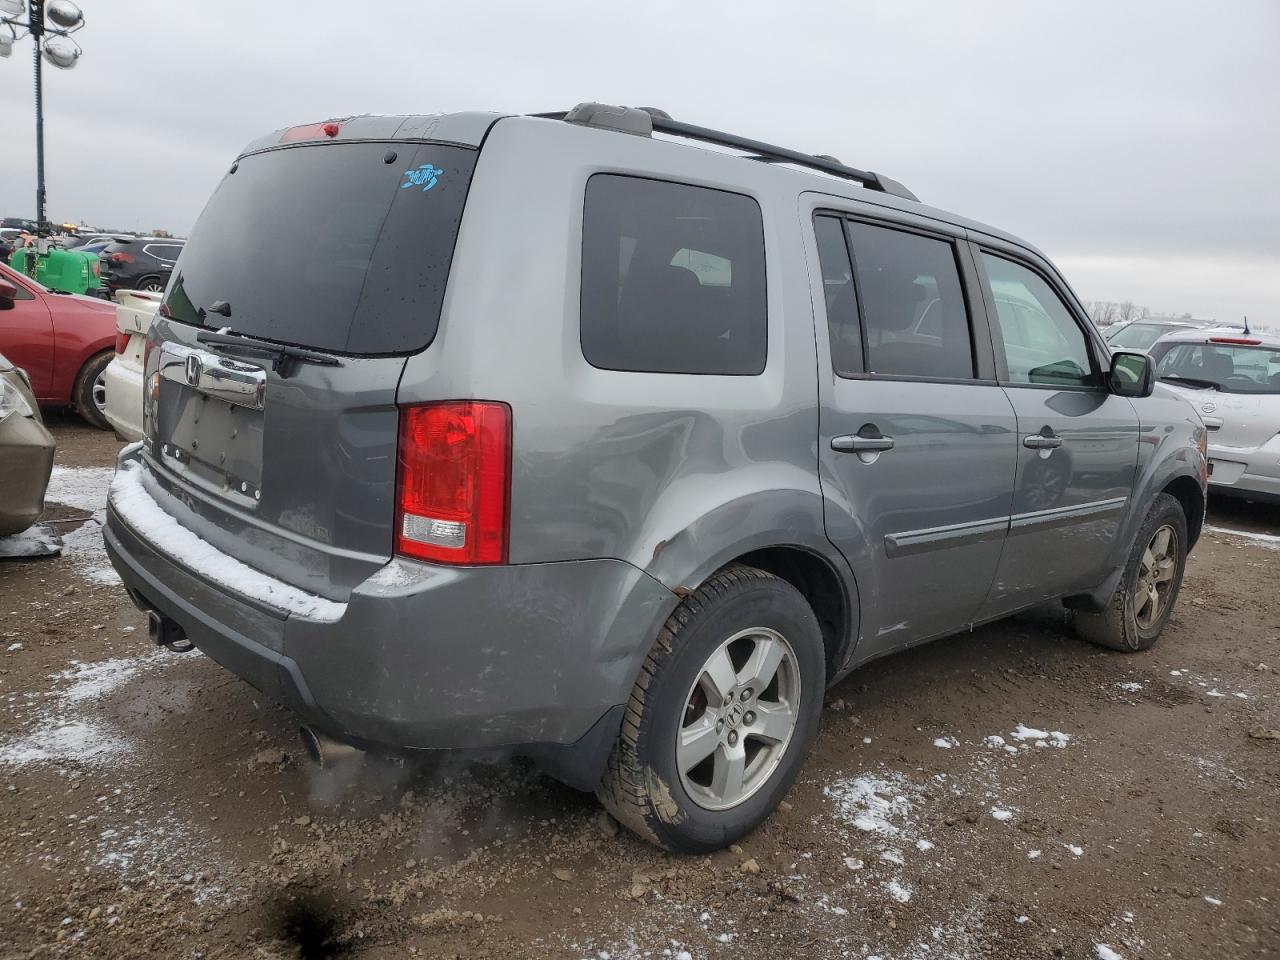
<point x="338" y="246"/>
<point x="1140" y="336"/>
<point x="1231" y="368"/>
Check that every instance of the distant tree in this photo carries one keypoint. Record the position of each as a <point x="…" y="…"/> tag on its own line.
<point x="160" y="233"/>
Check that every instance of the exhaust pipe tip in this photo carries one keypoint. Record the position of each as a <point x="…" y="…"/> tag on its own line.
<point x="324" y="751"/>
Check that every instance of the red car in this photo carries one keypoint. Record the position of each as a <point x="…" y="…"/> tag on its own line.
<point x="63" y="341"/>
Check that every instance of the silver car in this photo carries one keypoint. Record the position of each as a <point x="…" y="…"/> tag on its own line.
<point x="1233" y="380"/>
<point x="569" y="436"/>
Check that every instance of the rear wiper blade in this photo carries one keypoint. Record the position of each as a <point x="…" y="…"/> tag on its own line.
<point x="281" y="354"/>
<point x="1192" y="381"/>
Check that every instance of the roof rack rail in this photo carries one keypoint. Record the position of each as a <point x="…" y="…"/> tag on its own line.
<point x="642" y="121"/>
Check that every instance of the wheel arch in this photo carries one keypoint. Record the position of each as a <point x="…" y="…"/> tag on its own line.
<point x="1186" y="490"/>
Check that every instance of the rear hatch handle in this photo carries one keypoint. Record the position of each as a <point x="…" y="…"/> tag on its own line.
<point x="283" y="358"/>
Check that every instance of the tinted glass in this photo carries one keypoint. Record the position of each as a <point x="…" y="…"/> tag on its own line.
<point x="329" y="246"/>
<point x="913" y="309"/>
<point x="842" y="304"/>
<point x="672" y="278"/>
<point x="1230" y="368"/>
<point x="1042" y="341"/>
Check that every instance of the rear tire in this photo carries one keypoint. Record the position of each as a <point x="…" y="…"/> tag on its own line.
<point x="738" y="672"/>
<point x="151" y="284"/>
<point x="90" y="392"/>
<point x="1143" y="600"/>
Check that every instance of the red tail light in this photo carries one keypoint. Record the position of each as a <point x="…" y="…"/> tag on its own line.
<point x="1245" y="341"/>
<point x="120" y="257"/>
<point x="453" y="483"/>
<point x="122" y="342"/>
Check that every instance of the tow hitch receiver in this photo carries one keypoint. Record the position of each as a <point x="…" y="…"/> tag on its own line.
<point x="167" y="633"/>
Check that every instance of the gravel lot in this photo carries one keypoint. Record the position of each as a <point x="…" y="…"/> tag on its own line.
<point x="1005" y="793"/>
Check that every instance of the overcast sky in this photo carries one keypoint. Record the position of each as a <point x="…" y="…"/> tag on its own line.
<point x="1135" y="141"/>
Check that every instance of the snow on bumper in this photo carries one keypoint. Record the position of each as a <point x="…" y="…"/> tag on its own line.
<point x="135" y="506"/>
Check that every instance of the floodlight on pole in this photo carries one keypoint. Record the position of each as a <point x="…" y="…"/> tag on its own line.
<point x="49" y="24"/>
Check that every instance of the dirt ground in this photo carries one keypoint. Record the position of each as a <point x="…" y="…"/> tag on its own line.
<point x="1009" y="792"/>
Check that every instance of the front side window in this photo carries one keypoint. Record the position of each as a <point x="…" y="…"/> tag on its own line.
<point x="672" y="278"/>
<point x="913" y="309"/>
<point x="1042" y="342"/>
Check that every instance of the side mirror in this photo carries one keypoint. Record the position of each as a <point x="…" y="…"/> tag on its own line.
<point x="8" y="294"/>
<point x="1133" y="374"/>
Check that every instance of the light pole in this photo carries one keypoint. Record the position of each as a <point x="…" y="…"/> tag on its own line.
<point x="50" y="24"/>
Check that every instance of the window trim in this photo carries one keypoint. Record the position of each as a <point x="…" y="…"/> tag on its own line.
<point x="582" y="274"/>
<point x="997" y="338"/>
<point x="981" y="352"/>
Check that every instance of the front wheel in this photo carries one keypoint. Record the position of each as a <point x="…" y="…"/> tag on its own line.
<point x="722" y="715"/>
<point x="1144" y="598"/>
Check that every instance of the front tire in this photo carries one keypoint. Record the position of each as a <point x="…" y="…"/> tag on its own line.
<point x="1143" y="600"/>
<point x="722" y="716"/>
<point x="91" y="393"/>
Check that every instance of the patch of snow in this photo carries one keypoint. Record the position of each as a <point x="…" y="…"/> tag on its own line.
<point x="1022" y="919"/>
<point x="62" y="734"/>
<point x="946" y="743"/>
<point x="1175" y="673"/>
<point x="878" y="805"/>
<point x="899" y="891"/>
<point x="853" y="863"/>
<point x="1001" y="814"/>
<point x="130" y="499"/>
<point x="1213" y="900"/>
<point x="892" y="856"/>
<point x="13" y="647"/>
<point x="1033" y="854"/>
<point x="1130" y="686"/>
<point x="1270" y="541"/>
<point x="1215" y="692"/>
<point x="1054" y="738"/>
<point x="85" y="488"/>
<point x="1075" y="851"/>
<point x="1104" y="952"/>
<point x="924" y="845"/>
<point x="995" y="740"/>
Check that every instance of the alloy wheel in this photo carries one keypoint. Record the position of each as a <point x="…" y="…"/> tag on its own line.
<point x="99" y="392"/>
<point x="1155" y="577"/>
<point x="739" y="716"/>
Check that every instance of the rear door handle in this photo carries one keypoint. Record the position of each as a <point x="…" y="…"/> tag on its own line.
<point x="855" y="443"/>
<point x="1042" y="441"/>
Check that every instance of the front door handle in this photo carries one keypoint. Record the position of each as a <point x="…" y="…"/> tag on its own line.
<point x="1042" y="441"/>
<point x="864" y="441"/>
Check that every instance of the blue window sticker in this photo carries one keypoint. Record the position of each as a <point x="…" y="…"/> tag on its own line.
<point x="424" y="176"/>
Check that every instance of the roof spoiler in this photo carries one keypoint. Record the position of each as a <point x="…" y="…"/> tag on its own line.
<point x="643" y="121"/>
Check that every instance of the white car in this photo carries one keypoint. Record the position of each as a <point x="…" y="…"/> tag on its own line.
<point x="135" y="309"/>
<point x="1233" y="381"/>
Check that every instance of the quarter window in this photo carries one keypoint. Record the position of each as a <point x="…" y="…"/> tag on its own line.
<point x="913" y="309"/>
<point x="1043" y="344"/>
<point x="672" y="278"/>
<point x="841" y="301"/>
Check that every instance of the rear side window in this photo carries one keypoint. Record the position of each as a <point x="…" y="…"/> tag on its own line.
<point x="341" y="246"/>
<point x="672" y="278"/>
<point x="913" y="307"/>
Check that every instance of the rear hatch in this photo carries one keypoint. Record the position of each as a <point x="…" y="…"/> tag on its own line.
<point x="271" y="421"/>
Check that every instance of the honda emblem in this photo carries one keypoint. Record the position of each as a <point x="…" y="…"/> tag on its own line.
<point x="193" y="370"/>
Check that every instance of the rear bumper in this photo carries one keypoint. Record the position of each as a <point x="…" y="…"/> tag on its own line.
<point x="26" y="458"/>
<point x="124" y="398"/>
<point x="1246" y="471"/>
<point x="537" y="658"/>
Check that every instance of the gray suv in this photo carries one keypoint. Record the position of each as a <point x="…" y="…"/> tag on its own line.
<point x="613" y="441"/>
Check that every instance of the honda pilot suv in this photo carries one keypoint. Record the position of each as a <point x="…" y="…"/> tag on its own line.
<point x="613" y="441"/>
